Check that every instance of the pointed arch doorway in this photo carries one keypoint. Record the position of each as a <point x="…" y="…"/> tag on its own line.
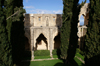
<point x="41" y="42"/>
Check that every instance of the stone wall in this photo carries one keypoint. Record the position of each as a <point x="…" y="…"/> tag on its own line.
<point x="85" y="12"/>
<point x="43" y="20"/>
<point x="46" y="24"/>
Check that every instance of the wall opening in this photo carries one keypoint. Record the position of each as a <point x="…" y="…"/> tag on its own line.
<point x="82" y="20"/>
<point x="41" y="43"/>
<point x="57" y="41"/>
<point x="39" y="18"/>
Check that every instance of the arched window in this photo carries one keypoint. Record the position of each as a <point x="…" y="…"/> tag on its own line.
<point x="39" y="18"/>
<point x="82" y="20"/>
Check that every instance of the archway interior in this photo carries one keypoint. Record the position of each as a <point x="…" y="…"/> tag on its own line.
<point x="41" y="42"/>
<point x="57" y="41"/>
<point x="82" y="20"/>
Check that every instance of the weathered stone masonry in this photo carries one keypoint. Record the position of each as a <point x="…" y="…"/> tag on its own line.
<point x="43" y="30"/>
<point x="45" y="25"/>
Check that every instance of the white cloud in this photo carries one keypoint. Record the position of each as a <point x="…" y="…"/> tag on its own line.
<point x="26" y="0"/>
<point x="28" y="7"/>
<point x="40" y="11"/>
<point x="58" y="12"/>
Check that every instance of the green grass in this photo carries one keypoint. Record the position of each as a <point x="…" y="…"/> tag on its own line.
<point x="44" y="57"/>
<point x="55" y="62"/>
<point x="47" y="63"/>
<point x="41" y="57"/>
<point x="55" y="56"/>
<point x="80" y="56"/>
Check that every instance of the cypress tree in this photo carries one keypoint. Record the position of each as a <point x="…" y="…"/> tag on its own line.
<point x="69" y="10"/>
<point x="9" y="12"/>
<point x="69" y="29"/>
<point x="66" y="26"/>
<point x="17" y="35"/>
<point x="73" y="32"/>
<point x="5" y="48"/>
<point x="92" y="41"/>
<point x="15" y="27"/>
<point x="73" y="42"/>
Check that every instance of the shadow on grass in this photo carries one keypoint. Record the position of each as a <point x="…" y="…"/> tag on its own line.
<point x="73" y="63"/>
<point x="25" y="63"/>
<point x="59" y="64"/>
<point x="26" y="59"/>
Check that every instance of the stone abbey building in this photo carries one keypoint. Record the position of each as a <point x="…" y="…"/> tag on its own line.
<point x="42" y="31"/>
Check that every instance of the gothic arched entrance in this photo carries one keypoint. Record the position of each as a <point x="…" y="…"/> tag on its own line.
<point x="41" y="42"/>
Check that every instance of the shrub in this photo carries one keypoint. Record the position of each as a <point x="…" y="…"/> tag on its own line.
<point x="41" y="53"/>
<point x="54" y="52"/>
<point x="78" y="50"/>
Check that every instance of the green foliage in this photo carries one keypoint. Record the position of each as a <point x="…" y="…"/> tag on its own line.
<point x="66" y="26"/>
<point x="15" y="28"/>
<point x="9" y="12"/>
<point x="79" y="55"/>
<point x="41" y="53"/>
<point x="13" y="39"/>
<point x="73" y="41"/>
<point x="17" y="36"/>
<point x="78" y="50"/>
<point x="92" y="42"/>
<point x="69" y="29"/>
<point x="54" y="52"/>
<point x="5" y="48"/>
<point x="83" y="2"/>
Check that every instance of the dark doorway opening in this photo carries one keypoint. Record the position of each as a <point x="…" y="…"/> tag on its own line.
<point x="57" y="41"/>
<point x="41" y="42"/>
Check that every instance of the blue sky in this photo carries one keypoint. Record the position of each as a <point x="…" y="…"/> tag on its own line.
<point x="45" y="6"/>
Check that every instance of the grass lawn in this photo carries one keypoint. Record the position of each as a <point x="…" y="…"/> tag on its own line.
<point x="44" y="57"/>
<point x="47" y="63"/>
<point x="55" y="62"/>
<point x="41" y="57"/>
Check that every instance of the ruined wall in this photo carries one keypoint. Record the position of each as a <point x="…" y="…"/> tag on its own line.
<point x="36" y="24"/>
<point x="49" y="25"/>
<point x="86" y="19"/>
<point x="43" y="20"/>
<point x="85" y="12"/>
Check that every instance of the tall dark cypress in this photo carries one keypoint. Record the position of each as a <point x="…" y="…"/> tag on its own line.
<point x="5" y="48"/>
<point x="17" y="31"/>
<point x="69" y="29"/>
<point x="73" y="32"/>
<point x="15" y="27"/>
<point x="9" y="12"/>
<point x="92" y="41"/>
<point x="66" y="27"/>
